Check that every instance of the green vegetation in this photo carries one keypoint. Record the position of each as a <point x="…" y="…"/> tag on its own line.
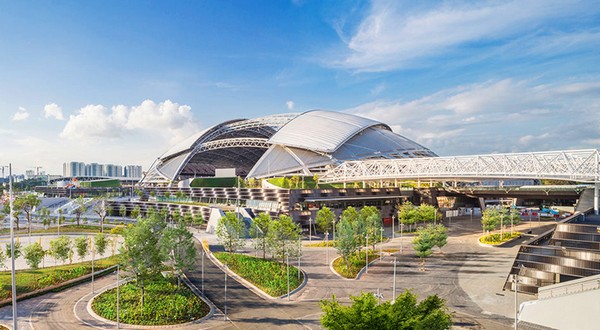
<point x="325" y="219"/>
<point x="355" y="263"/>
<point x="216" y="182"/>
<point x="410" y="214"/>
<point x="493" y="239"/>
<point x="231" y="232"/>
<point x="34" y="279"/>
<point x="321" y="244"/>
<point x="403" y="313"/>
<point x="429" y="237"/>
<point x="308" y="182"/>
<point x="164" y="304"/>
<point x="269" y="275"/>
<point x="109" y="183"/>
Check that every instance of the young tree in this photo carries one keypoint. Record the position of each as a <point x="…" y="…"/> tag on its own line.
<point x="373" y="228"/>
<point x="490" y="219"/>
<point x="346" y="242"/>
<point x="231" y="232"/>
<point x="34" y="254"/>
<point x="61" y="219"/>
<point x="260" y="230"/>
<point x="100" y="242"/>
<point x="82" y="246"/>
<point x="3" y="258"/>
<point x="80" y="209"/>
<point x="27" y="203"/>
<point x="17" y="250"/>
<point x="123" y="211"/>
<point x="177" y="245"/>
<point x="427" y="213"/>
<point x="140" y="252"/>
<point x="136" y="212"/>
<point x="44" y="214"/>
<point x="325" y="218"/>
<point x="101" y="210"/>
<point x="316" y="179"/>
<point x="61" y="248"/>
<point x="16" y="211"/>
<point x="408" y="214"/>
<point x="179" y="194"/>
<point x="198" y="220"/>
<point x="350" y="214"/>
<point x="514" y="216"/>
<point x="295" y="180"/>
<point x="440" y="235"/>
<point x="284" y="237"/>
<point x="188" y="218"/>
<point x="164" y="213"/>
<point x="422" y="244"/>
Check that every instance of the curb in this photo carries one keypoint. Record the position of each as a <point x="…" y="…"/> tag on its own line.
<point x="499" y="244"/>
<point x="360" y="272"/>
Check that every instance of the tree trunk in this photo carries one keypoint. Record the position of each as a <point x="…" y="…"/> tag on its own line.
<point x="142" y="287"/>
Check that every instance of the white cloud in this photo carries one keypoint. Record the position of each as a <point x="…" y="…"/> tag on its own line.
<point x="168" y="119"/>
<point x="53" y="110"/>
<point x="398" y="34"/>
<point x="497" y="116"/>
<point x="290" y="105"/>
<point x="21" y="114"/>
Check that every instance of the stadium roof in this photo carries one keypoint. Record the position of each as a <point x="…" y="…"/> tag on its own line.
<point x="281" y="145"/>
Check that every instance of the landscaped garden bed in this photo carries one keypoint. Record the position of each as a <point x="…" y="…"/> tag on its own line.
<point x="494" y="239"/>
<point x="321" y="244"/>
<point x="164" y="303"/>
<point x="356" y="263"/>
<point x="268" y="275"/>
<point x="31" y="280"/>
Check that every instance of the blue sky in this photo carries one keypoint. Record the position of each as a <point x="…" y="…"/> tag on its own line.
<point x="121" y="81"/>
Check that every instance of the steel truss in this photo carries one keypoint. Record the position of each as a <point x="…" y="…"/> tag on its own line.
<point x="234" y="142"/>
<point x="575" y="165"/>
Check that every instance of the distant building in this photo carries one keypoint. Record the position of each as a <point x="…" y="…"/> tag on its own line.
<point x="132" y="171"/>
<point x="72" y="169"/>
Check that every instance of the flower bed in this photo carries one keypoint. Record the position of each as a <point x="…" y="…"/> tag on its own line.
<point x="356" y="262"/>
<point x="494" y="239"/>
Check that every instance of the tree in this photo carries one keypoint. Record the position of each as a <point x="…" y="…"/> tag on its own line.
<point x="231" y="232"/>
<point x="316" y="179"/>
<point x="346" y="242"/>
<point x="164" y="213"/>
<point x="295" y="180"/>
<point x="101" y="210"/>
<point x="490" y="219"/>
<point x="440" y="236"/>
<point x="122" y="211"/>
<point x="179" y="194"/>
<point x="259" y="230"/>
<point x="177" y="245"/>
<point x="100" y="242"/>
<point x="370" y="216"/>
<point x="82" y="246"/>
<point x="514" y="216"/>
<point x="325" y="218"/>
<point x="366" y="313"/>
<point x="350" y="214"/>
<point x="27" y="203"/>
<point x="17" y="250"/>
<point x="198" y="219"/>
<point x="408" y="214"/>
<point x="80" y="209"/>
<point x="136" y="212"/>
<point x="427" y="213"/>
<point x="16" y="211"/>
<point x="61" y="248"/>
<point x="188" y="218"/>
<point x="284" y="237"/>
<point x="44" y="214"/>
<point x="140" y="252"/>
<point x="3" y="258"/>
<point x="34" y="254"/>
<point x="61" y="219"/>
<point x="167" y="195"/>
<point x="422" y="244"/>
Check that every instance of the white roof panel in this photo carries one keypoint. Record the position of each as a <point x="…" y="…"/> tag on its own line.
<point x="323" y="131"/>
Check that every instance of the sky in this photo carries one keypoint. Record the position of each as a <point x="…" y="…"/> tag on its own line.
<point x="122" y="81"/>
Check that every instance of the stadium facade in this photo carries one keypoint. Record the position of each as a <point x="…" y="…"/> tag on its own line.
<point x="282" y="145"/>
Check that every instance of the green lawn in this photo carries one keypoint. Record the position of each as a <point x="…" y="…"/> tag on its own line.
<point x="356" y="263"/>
<point x="269" y="275"/>
<point x="66" y="229"/>
<point x="321" y="244"/>
<point x="164" y="303"/>
<point x="29" y="280"/>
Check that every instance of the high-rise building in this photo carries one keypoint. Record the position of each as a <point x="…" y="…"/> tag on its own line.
<point x="94" y="169"/>
<point x="133" y="171"/>
<point x="74" y="169"/>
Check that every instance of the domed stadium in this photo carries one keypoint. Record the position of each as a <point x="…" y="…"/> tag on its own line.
<point x="281" y="145"/>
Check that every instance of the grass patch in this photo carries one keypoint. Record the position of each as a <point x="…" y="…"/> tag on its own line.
<point x="164" y="303"/>
<point x="321" y="244"/>
<point x="29" y="280"/>
<point x="68" y="229"/>
<point x="356" y="263"/>
<point x="269" y="275"/>
<point x="493" y="239"/>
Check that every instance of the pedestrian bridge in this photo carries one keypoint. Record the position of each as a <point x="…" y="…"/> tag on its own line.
<point x="573" y="165"/>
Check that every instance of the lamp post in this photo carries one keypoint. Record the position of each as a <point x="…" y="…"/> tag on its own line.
<point x="327" y="246"/>
<point x="287" y="269"/>
<point x="367" y="254"/>
<point x="118" y="294"/>
<point x="516" y="278"/>
<point x="393" y="231"/>
<point x="310" y="229"/>
<point x="401" y="232"/>
<point x="203" y="269"/>
<point x="12" y="248"/>
<point x="225" y="309"/>
<point x="93" y="258"/>
<point x="381" y="243"/>
<point x="394" y="285"/>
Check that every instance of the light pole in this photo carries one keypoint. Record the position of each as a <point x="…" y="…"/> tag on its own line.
<point x="367" y="254"/>
<point x="310" y="229"/>
<point x="401" y="232"/>
<point x="12" y="248"/>
<point x="287" y="269"/>
<point x="381" y="243"/>
<point x="393" y="231"/>
<point x="203" y="269"/>
<point x="394" y="286"/>
<point x="516" y="278"/>
<point x="225" y="309"/>
<point x="327" y="246"/>
<point x="93" y="257"/>
<point x="434" y="212"/>
<point x="118" y="292"/>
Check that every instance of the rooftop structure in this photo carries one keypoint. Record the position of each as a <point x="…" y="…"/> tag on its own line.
<point x="282" y="145"/>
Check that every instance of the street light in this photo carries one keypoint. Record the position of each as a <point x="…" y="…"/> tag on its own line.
<point x="516" y="279"/>
<point x="203" y="269"/>
<point x="367" y="254"/>
<point x="12" y="248"/>
<point x="393" y="221"/>
<point x="118" y="293"/>
<point x="287" y="269"/>
<point x="310" y="229"/>
<point x="381" y="243"/>
<point x="225" y="309"/>
<point x="394" y="286"/>
<point x="327" y="246"/>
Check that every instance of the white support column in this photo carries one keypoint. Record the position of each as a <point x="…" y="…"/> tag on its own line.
<point x="596" y="196"/>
